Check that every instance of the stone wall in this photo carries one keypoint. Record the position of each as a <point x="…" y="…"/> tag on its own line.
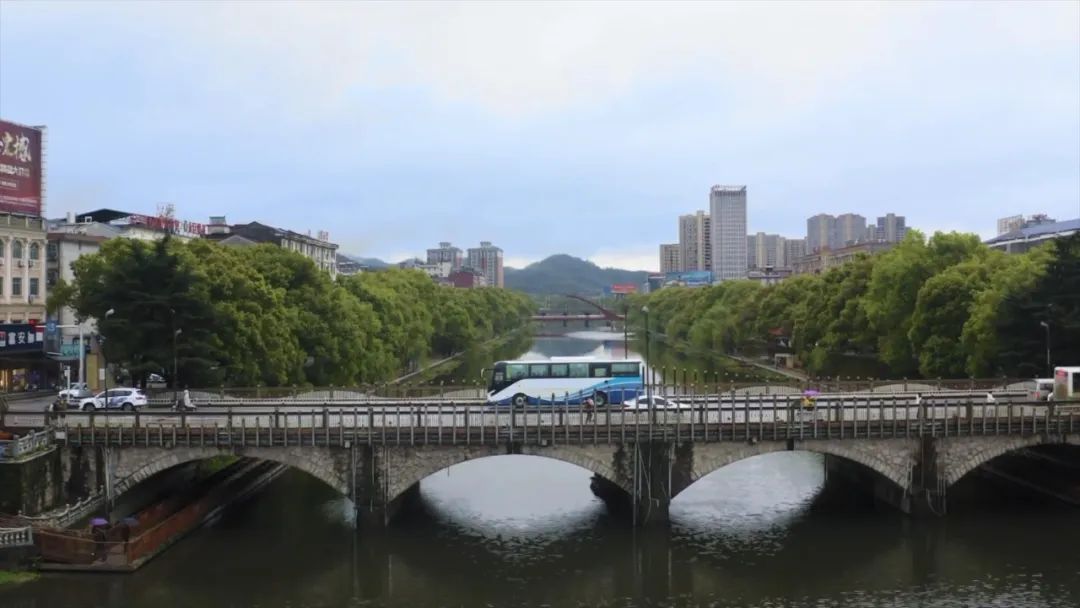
<point x="32" y="484"/>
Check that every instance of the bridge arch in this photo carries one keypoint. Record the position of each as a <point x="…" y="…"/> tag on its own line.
<point x="608" y="314"/>
<point x="891" y="459"/>
<point x="137" y="465"/>
<point x="407" y="467"/>
<point x="962" y="455"/>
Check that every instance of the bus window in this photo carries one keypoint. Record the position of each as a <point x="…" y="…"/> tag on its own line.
<point x="579" y="370"/>
<point x="538" y="371"/>
<point x="517" y="371"/>
<point x="625" y="369"/>
<point x="600" y="370"/>
<point x="559" y="370"/>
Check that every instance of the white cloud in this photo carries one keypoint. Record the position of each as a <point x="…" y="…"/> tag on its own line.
<point x="518" y="261"/>
<point x="514" y="59"/>
<point x="628" y="259"/>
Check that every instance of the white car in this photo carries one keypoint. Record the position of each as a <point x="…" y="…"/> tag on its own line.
<point x="1044" y="390"/>
<point x="660" y="403"/>
<point x="77" y="390"/>
<point x="128" y="399"/>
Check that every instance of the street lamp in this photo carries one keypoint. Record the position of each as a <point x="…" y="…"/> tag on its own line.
<point x="1049" y="369"/>
<point x="105" y="359"/>
<point x="175" y="374"/>
<point x="625" y="340"/>
<point x="648" y="370"/>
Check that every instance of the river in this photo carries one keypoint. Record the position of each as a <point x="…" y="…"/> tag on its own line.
<point x="524" y="531"/>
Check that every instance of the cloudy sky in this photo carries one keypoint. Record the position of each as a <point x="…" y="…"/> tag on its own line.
<point x="547" y="128"/>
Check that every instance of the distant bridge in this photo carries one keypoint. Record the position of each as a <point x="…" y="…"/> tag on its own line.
<point x="568" y="316"/>
<point x="604" y="314"/>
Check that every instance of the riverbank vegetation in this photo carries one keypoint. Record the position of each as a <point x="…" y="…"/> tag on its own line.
<point x="8" y="577"/>
<point x="263" y="315"/>
<point x="947" y="306"/>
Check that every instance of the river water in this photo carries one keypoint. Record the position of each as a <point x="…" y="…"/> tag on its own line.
<point x="526" y="531"/>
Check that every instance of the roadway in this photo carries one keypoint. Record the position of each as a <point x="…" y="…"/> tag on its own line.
<point x="433" y="414"/>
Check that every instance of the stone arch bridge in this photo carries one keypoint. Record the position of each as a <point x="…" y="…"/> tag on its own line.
<point x="908" y="461"/>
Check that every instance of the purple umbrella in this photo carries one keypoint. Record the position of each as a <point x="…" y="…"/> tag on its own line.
<point x="811" y="393"/>
<point x="99" y="521"/>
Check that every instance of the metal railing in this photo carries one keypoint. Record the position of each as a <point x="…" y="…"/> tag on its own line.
<point x="17" y="448"/>
<point x="16" y="537"/>
<point x="670" y="382"/>
<point x="740" y="419"/>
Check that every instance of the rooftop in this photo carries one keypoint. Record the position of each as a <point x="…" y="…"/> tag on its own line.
<point x="1038" y="230"/>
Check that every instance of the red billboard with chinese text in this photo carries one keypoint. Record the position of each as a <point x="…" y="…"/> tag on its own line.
<point x="623" y="288"/>
<point x="20" y="169"/>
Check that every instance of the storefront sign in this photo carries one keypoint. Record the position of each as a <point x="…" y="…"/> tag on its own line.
<point x="21" y="338"/>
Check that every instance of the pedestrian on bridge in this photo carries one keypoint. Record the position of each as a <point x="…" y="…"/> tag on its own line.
<point x="590" y="408"/>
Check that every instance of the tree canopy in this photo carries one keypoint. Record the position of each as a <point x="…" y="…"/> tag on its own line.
<point x="947" y="306"/>
<point x="264" y="315"/>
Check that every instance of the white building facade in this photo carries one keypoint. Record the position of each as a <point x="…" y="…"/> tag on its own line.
<point x="727" y="210"/>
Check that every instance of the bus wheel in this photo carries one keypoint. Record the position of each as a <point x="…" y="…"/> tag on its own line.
<point x="520" y="400"/>
<point x="600" y="399"/>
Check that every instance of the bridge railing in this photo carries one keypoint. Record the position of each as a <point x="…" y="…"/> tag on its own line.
<point x="668" y="382"/>
<point x="23" y="446"/>
<point x="463" y="390"/>
<point x="16" y="537"/>
<point x="748" y="418"/>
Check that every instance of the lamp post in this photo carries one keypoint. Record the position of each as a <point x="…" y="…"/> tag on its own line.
<point x="1049" y="370"/>
<point x="648" y="371"/>
<point x="625" y="340"/>
<point x="175" y="366"/>
<point x="105" y="359"/>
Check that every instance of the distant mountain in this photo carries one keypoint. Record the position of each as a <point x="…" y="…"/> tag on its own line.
<point x="563" y="274"/>
<point x="369" y="262"/>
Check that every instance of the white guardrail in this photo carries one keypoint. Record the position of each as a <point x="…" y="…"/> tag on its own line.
<point x="16" y="448"/>
<point x="16" y="537"/>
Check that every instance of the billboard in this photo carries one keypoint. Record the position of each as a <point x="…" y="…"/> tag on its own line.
<point x="694" y="278"/>
<point x="21" y="338"/>
<point x="20" y="169"/>
<point x="621" y="289"/>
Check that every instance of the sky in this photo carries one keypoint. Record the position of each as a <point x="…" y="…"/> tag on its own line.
<point x="580" y="128"/>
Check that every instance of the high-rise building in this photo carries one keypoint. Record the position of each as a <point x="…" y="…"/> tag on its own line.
<point x="765" y="251"/>
<point x="445" y="253"/>
<point x="488" y="259"/>
<point x="727" y="210"/>
<point x="850" y="229"/>
<point x="695" y="241"/>
<point x="794" y="250"/>
<point x="890" y="229"/>
<point x="819" y="232"/>
<point x="670" y="258"/>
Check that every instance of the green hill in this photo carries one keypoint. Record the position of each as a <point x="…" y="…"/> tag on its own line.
<point x="565" y="274"/>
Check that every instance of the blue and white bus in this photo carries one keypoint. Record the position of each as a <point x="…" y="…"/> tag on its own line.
<point x="568" y="380"/>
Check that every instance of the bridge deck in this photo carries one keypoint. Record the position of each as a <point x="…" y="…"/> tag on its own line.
<point x="439" y="424"/>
